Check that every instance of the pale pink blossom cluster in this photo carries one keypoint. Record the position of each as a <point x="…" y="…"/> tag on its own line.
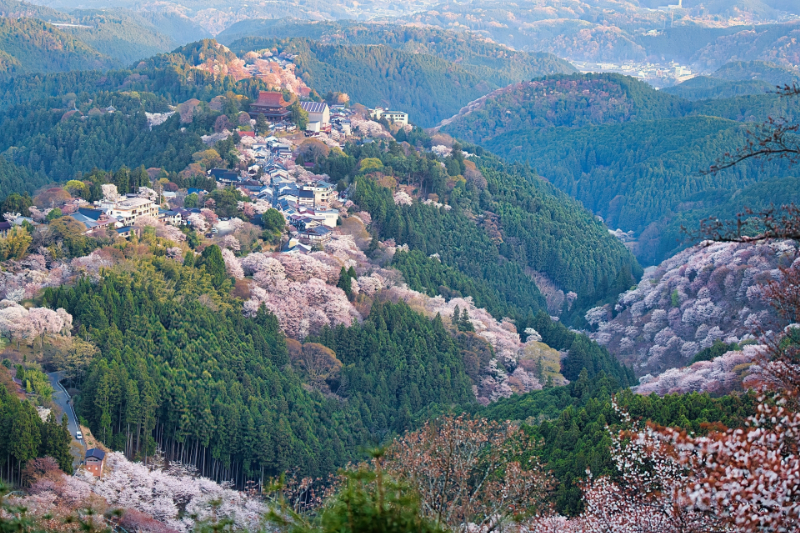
<point x="369" y="128"/>
<point x="198" y="222"/>
<point x="24" y="279"/>
<point x="299" y="290"/>
<point x="402" y="198"/>
<point x="719" y="376"/>
<point x="232" y="265"/>
<point x="162" y="493"/>
<point x="19" y="323"/>
<point x="92" y="264"/>
<point x="303" y="308"/>
<point x="345" y="250"/>
<point x="230" y="242"/>
<point x="175" y="253"/>
<point x="704" y="294"/>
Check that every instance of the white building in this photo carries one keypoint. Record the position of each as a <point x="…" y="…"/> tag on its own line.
<point x="317" y="112"/>
<point x="130" y="209"/>
<point x="398" y="117"/>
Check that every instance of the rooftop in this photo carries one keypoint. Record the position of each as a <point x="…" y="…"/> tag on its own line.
<point x="97" y="453"/>
<point x="314" y="107"/>
<point x="271" y="99"/>
<point x="130" y="203"/>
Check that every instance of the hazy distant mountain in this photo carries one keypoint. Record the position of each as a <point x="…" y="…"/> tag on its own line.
<point x="736" y="79"/>
<point x="29" y="45"/>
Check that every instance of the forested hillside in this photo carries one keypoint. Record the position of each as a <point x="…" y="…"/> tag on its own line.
<point x="630" y="154"/>
<point x="100" y="122"/>
<point x="29" y="45"/>
<point x="122" y="35"/>
<point x="233" y="404"/>
<point x="504" y="223"/>
<point x="470" y="51"/>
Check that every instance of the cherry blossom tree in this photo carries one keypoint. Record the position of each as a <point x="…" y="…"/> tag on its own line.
<point x="110" y="192"/>
<point x="230" y="242"/>
<point x="198" y="222"/>
<point x="470" y="473"/>
<point x="232" y="265"/>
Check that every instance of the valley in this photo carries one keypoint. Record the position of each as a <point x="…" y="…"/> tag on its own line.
<point x="442" y="267"/>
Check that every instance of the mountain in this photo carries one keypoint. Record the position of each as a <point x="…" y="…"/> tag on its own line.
<point x="631" y="154"/>
<point x="707" y="87"/>
<point x="30" y="45"/>
<point x="122" y="35"/>
<point x="622" y="31"/>
<point x="737" y="78"/>
<point x="400" y="75"/>
<point x="468" y="50"/>
<point x="130" y="36"/>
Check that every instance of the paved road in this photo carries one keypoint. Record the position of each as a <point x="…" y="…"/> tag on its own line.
<point x="62" y="399"/>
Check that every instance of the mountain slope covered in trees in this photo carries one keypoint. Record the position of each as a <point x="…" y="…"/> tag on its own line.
<point x="470" y="51"/>
<point x="631" y="154"/>
<point x="30" y="45"/>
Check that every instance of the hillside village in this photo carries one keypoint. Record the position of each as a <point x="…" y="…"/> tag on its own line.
<point x="269" y="174"/>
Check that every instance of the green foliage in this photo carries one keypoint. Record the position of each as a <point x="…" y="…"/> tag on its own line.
<point x="180" y="364"/>
<point x="399" y="364"/>
<point x="299" y="115"/>
<point x="226" y="201"/>
<point x="123" y="35"/>
<point x="345" y="282"/>
<point x="571" y="422"/>
<point x="211" y="260"/>
<point x="717" y="349"/>
<point x="23" y="435"/>
<point x="724" y="204"/>
<point x="368" y="501"/>
<point x="630" y="154"/>
<point x="16" y="186"/>
<point x="191" y="200"/>
<point x="539" y="228"/>
<point x="462" y="245"/>
<point x="582" y="353"/>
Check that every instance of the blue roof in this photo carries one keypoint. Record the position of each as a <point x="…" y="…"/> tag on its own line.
<point x="97" y="453"/>
<point x="223" y="174"/>
<point x="94" y="214"/>
<point x="125" y="229"/>
<point x="193" y="190"/>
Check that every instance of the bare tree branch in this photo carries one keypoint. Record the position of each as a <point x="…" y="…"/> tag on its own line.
<point x="750" y="226"/>
<point x="774" y="139"/>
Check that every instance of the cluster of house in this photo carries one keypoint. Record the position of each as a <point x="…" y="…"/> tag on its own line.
<point x="307" y="207"/>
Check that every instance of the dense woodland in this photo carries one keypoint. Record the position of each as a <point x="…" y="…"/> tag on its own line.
<point x="632" y="155"/>
<point x="504" y="221"/>
<point x="24" y="436"/>
<point x="183" y="368"/>
<point x="486" y="59"/>
<point x="30" y="45"/>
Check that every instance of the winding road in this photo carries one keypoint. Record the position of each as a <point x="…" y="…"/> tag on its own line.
<point x="62" y="399"/>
